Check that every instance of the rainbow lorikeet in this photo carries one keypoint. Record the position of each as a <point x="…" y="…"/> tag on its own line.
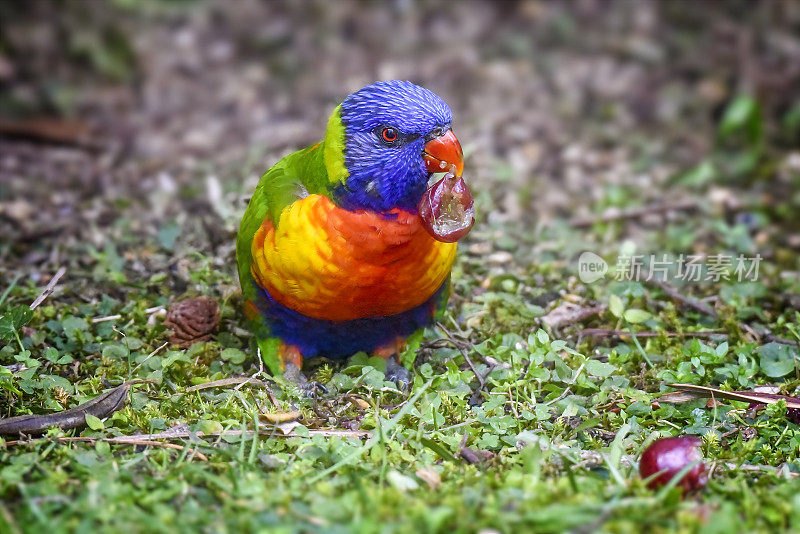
<point x="344" y="247"/>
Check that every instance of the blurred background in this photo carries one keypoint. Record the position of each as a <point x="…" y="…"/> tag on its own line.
<point x="132" y="133"/>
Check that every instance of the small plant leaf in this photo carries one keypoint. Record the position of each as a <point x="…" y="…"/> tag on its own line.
<point x="743" y="115"/>
<point x="616" y="306"/>
<point x="94" y="422"/>
<point x="636" y="316"/>
<point x="13" y="320"/>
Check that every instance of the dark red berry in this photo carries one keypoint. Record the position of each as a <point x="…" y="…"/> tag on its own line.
<point x="793" y="415"/>
<point x="668" y="456"/>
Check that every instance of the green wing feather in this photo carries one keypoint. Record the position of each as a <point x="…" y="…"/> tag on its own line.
<point x="292" y="178"/>
<point x="310" y="170"/>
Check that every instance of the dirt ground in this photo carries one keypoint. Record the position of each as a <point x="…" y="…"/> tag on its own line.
<point x="125" y="110"/>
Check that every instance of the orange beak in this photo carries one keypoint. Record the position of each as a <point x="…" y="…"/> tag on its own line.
<point x="444" y="154"/>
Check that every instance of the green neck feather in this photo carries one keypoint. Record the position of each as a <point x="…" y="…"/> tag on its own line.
<point x="334" y="148"/>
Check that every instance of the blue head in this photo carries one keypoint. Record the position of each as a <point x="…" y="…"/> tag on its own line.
<point x="387" y="126"/>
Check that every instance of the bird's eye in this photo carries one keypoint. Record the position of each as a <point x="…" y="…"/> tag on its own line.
<point x="390" y="135"/>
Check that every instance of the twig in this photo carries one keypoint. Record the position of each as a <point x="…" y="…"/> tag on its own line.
<point x="49" y="288"/>
<point x="119" y="440"/>
<point x="246" y="433"/>
<point x="151" y="439"/>
<point x="635" y="213"/>
<point x="48" y="130"/>
<point x="767" y="336"/>
<point x="704" y="334"/>
<point x="106" y="319"/>
<point x="150" y="356"/>
<point x="568" y="389"/>
<point x="758" y="468"/>
<point x="603" y="332"/>
<point x="238" y="381"/>
<point x="227" y="382"/>
<point x="481" y="378"/>
<point x="688" y="392"/>
<point x="690" y="302"/>
<point x="781" y="340"/>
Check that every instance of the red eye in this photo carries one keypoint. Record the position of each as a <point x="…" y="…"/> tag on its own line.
<point x="389" y="135"/>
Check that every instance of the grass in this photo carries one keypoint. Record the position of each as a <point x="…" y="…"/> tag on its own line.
<point x="557" y="427"/>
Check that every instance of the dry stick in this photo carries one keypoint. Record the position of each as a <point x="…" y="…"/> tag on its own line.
<point x="120" y="440"/>
<point x="705" y="334"/>
<point x="568" y="389"/>
<point x="106" y="318"/>
<point x="603" y="332"/>
<point x="150" y="356"/>
<point x="767" y="335"/>
<point x="635" y="213"/>
<point x="481" y="381"/>
<point x="226" y="382"/>
<point x="150" y="439"/>
<point x="237" y="381"/>
<point x="49" y="288"/>
<point x="685" y="391"/>
<point x="70" y="133"/>
<point x="749" y="467"/>
<point x="246" y="433"/>
<point x="132" y="441"/>
<point x="693" y="303"/>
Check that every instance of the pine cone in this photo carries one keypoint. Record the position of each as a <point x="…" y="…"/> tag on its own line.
<point x="192" y="320"/>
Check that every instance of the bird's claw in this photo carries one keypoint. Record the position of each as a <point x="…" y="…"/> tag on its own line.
<point x="397" y="374"/>
<point x="309" y="388"/>
<point x="312" y="389"/>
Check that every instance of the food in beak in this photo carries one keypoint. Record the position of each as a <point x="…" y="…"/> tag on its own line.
<point x="446" y="209"/>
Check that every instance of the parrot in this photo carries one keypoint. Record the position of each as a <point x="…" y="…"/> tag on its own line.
<point x="344" y="246"/>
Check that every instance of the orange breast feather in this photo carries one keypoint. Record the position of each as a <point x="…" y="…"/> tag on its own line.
<point x="330" y="263"/>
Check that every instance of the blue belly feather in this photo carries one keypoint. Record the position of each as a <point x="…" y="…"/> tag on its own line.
<point x="341" y="339"/>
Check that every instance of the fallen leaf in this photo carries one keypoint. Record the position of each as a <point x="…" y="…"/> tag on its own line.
<point x="281" y="417"/>
<point x="100" y="407"/>
<point x="568" y="313"/>
<point x="287" y="427"/>
<point x="358" y="402"/>
<point x="430" y="476"/>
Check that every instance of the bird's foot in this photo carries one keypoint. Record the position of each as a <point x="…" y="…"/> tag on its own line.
<point x="398" y="374"/>
<point x="309" y="388"/>
<point x="395" y="372"/>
